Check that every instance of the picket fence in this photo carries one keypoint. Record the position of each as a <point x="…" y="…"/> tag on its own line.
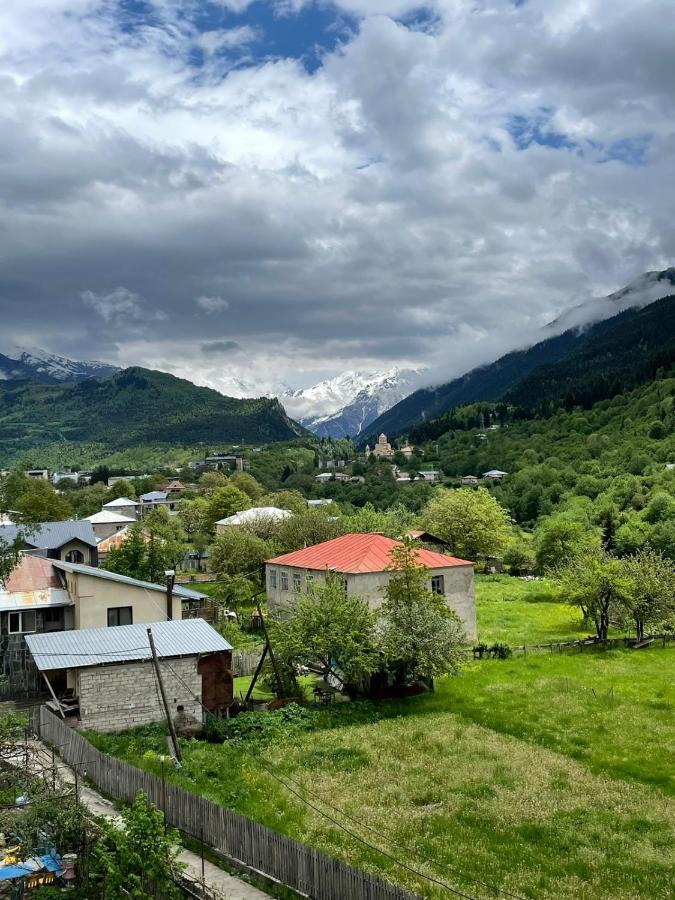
<point x="246" y="843"/>
<point x="245" y="663"/>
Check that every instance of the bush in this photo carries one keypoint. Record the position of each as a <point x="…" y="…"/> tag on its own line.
<point x="501" y="651"/>
<point x="260" y="726"/>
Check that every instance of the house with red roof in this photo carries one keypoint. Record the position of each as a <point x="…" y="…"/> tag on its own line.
<point x="364" y="560"/>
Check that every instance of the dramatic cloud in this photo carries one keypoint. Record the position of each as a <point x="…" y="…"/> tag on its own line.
<point x="303" y="189"/>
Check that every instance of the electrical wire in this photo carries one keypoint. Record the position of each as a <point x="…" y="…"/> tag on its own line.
<point x="362" y="824"/>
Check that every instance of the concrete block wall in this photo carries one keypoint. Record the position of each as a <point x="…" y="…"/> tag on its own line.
<point x="117" y="697"/>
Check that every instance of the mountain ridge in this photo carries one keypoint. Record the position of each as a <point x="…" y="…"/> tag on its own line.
<point x="19" y="363"/>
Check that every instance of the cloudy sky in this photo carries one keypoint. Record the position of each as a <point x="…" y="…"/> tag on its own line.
<point x="279" y="191"/>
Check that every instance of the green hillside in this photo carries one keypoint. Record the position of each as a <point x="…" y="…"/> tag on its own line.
<point x="577" y="367"/>
<point x="131" y="408"/>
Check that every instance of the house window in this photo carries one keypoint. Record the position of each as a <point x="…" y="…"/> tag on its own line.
<point x="438" y="584"/>
<point x="52" y="619"/>
<point x="273" y="580"/>
<point x="309" y="579"/>
<point x="21" y="622"/>
<point x="75" y="556"/>
<point x="297" y="582"/>
<point x="284" y="581"/>
<point x="119" y="615"/>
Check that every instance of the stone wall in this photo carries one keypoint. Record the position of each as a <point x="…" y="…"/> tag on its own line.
<point x="117" y="697"/>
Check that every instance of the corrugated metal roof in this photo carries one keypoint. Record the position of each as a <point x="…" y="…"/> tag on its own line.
<point x="178" y="589"/>
<point x="360" y="553"/>
<point x="121" y="501"/>
<point x="50" y="535"/>
<point x="85" y="647"/>
<point x="258" y="512"/>
<point x="105" y="517"/>
<point x="154" y="495"/>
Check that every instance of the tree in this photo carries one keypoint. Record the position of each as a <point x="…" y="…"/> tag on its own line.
<point x="152" y="547"/>
<point x="193" y="516"/>
<point x="419" y="637"/>
<point x="121" y="488"/>
<point x="226" y="501"/>
<point x="597" y="583"/>
<point x="560" y="538"/>
<point x="471" y="521"/>
<point x="130" y="558"/>
<point x="312" y="527"/>
<point x="239" y="552"/>
<point x="211" y="481"/>
<point x="651" y="599"/>
<point x="31" y="500"/>
<point x="519" y="557"/>
<point x="248" y="484"/>
<point x="333" y="629"/>
<point x="138" y="860"/>
<point x="292" y="500"/>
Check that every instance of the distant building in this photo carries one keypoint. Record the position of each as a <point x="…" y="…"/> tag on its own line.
<point x="324" y="477"/>
<point x="494" y="475"/>
<point x="381" y="450"/>
<point x="363" y="560"/>
<point x="42" y="474"/>
<point x="71" y="540"/>
<point x="123" y="506"/>
<point x="157" y="500"/>
<point x="407" y="451"/>
<point x="251" y="515"/>
<point x="428" y="475"/>
<point x="470" y="481"/>
<point x="106" y="523"/>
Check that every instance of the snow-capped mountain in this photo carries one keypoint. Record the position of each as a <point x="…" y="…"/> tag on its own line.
<point x="343" y="406"/>
<point x="645" y="289"/>
<point x="48" y="368"/>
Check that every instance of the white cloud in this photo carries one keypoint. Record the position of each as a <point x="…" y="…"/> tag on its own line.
<point x="375" y="211"/>
<point x="212" y="305"/>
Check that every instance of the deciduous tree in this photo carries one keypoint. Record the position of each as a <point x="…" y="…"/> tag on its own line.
<point x="471" y="521"/>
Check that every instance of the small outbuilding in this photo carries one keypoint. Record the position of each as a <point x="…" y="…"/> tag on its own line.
<point x="111" y="680"/>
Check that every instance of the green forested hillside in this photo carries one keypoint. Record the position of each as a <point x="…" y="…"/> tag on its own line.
<point x="577" y="367"/>
<point x="133" y="407"/>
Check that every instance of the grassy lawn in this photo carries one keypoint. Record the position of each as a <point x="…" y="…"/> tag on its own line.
<point x="550" y="776"/>
<point x="516" y="611"/>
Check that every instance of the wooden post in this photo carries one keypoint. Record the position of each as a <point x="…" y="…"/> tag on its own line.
<point x="170" y="578"/>
<point x="256" y="674"/>
<point x="269" y="650"/>
<point x="54" y="697"/>
<point x="169" y="721"/>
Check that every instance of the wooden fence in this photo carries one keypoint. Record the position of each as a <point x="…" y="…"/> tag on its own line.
<point x="245" y="663"/>
<point x="246" y="843"/>
<point x="562" y="646"/>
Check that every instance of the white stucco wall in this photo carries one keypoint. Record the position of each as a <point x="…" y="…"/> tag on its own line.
<point x="458" y="584"/>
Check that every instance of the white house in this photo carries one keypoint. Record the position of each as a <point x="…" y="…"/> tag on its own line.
<point x="494" y="475"/>
<point x="268" y="513"/>
<point x="363" y="560"/>
<point x="107" y="523"/>
<point x="123" y="506"/>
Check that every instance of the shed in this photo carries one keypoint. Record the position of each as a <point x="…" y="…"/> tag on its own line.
<point x="112" y="685"/>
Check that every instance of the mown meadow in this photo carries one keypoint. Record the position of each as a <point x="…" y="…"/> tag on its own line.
<point x="545" y="776"/>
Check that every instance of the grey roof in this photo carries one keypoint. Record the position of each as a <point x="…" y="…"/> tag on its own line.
<point x="50" y="535"/>
<point x="178" y="589"/>
<point x="85" y="647"/>
<point x="154" y="495"/>
<point x="120" y="501"/>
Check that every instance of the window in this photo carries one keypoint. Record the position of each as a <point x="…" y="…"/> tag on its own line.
<point x="284" y="581"/>
<point x="52" y="619"/>
<point x="438" y="584"/>
<point x="119" y="615"/>
<point x="309" y="579"/>
<point x="297" y="582"/>
<point x="273" y="579"/>
<point x="21" y="622"/>
<point x="75" y="556"/>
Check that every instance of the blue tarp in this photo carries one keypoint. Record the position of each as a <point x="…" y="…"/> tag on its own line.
<point x="49" y="862"/>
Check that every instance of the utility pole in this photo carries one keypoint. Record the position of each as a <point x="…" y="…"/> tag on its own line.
<point x="170" y="578"/>
<point x="169" y="720"/>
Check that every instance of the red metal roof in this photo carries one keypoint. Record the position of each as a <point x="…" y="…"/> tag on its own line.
<point x="360" y="553"/>
<point x="34" y="573"/>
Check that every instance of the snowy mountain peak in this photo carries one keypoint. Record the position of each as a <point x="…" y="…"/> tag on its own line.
<point x="643" y="290"/>
<point x="49" y="368"/>
<point x="343" y="406"/>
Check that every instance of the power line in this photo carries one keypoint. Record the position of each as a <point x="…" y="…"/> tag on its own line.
<point x="340" y="825"/>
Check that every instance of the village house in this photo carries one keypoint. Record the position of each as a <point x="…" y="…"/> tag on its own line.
<point x="122" y="506"/>
<point x="407" y="451"/>
<point x="363" y="560"/>
<point x="257" y="513"/>
<point x="494" y="475"/>
<point x="43" y="594"/>
<point x="111" y="684"/>
<point x="470" y="481"/>
<point x="430" y="541"/>
<point x="157" y="500"/>
<point x="70" y="540"/>
<point x="106" y="523"/>
<point x="430" y="475"/>
<point x="381" y="450"/>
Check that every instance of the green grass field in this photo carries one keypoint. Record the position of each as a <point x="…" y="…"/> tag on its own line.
<point x="550" y="776"/>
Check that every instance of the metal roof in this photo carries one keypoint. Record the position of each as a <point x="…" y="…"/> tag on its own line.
<point x="154" y="495"/>
<point x="178" y="589"/>
<point x="258" y="512"/>
<point x="120" y="501"/>
<point x="105" y="517"/>
<point x="360" y="553"/>
<point x="81" y="648"/>
<point x="50" y="535"/>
